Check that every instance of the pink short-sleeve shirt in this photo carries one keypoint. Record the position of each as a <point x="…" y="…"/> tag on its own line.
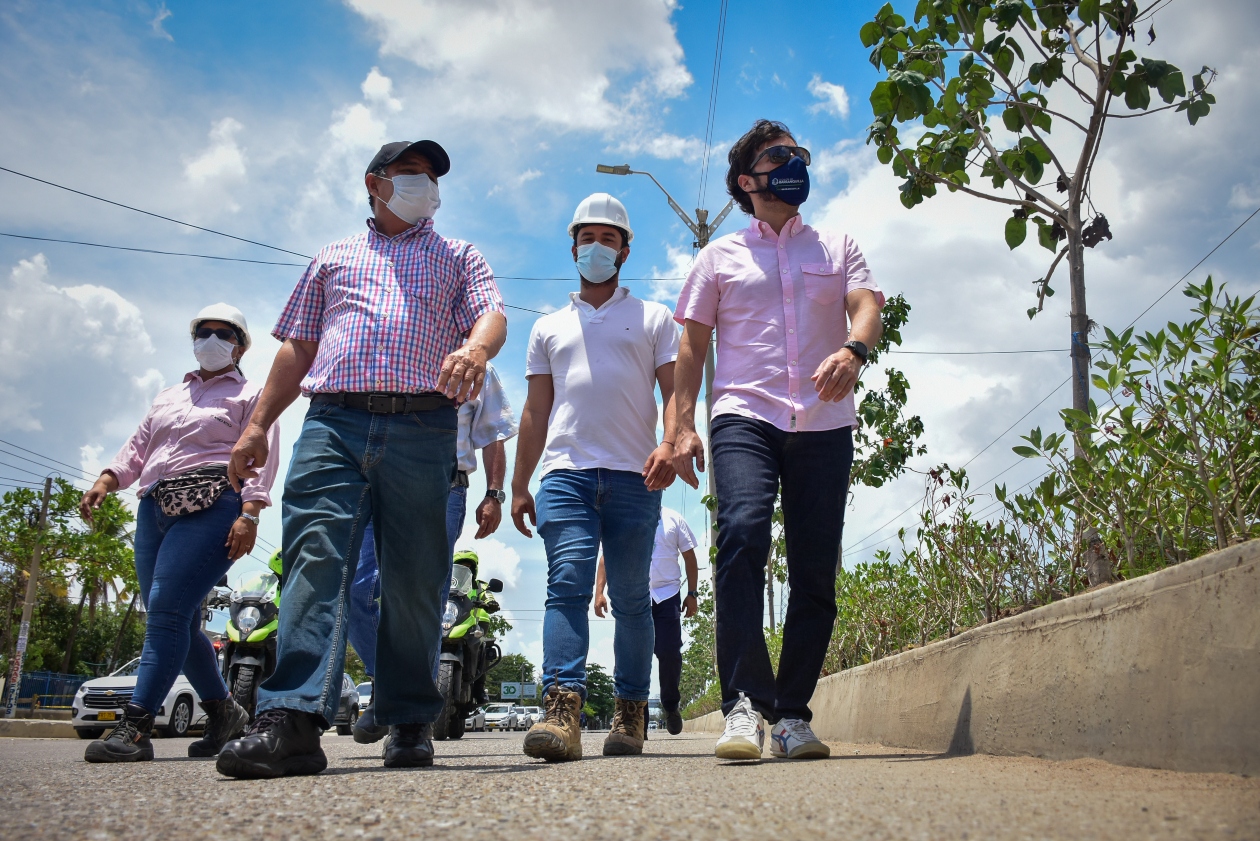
<point x="778" y="303"/>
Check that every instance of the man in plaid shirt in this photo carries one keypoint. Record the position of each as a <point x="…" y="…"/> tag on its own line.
<point x="372" y="334"/>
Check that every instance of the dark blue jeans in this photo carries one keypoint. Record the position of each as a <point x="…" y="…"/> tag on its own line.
<point x="752" y="459"/>
<point x="365" y="592"/>
<point x="350" y="466"/>
<point x="577" y="511"/>
<point x="178" y="560"/>
<point x="667" y="620"/>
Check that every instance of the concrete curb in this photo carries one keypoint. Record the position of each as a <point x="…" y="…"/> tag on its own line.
<point x="1162" y="672"/>
<point x="34" y="728"/>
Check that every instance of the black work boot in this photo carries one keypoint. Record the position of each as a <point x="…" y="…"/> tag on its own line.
<point x="409" y="746"/>
<point x="128" y="741"/>
<point x="225" y="720"/>
<point x="366" y="730"/>
<point x="673" y="721"/>
<point x="280" y="743"/>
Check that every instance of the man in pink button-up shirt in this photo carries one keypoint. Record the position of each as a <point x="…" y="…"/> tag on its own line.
<point x="778" y="293"/>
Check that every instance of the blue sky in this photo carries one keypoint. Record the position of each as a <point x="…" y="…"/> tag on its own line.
<point x="258" y="118"/>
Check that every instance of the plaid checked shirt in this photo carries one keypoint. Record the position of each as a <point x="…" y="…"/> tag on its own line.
<point x="387" y="311"/>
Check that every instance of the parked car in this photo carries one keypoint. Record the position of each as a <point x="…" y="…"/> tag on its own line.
<point x="522" y="718"/>
<point x="502" y="717"/>
<point x="99" y="703"/>
<point x="533" y="715"/>
<point x="348" y="708"/>
<point x="476" y="721"/>
<point x="365" y="693"/>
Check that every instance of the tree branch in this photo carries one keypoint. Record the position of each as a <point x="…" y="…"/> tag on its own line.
<point x="1018" y="182"/>
<point x="1083" y="56"/>
<point x="914" y="168"/>
<point x="1071" y="82"/>
<point x="1049" y="111"/>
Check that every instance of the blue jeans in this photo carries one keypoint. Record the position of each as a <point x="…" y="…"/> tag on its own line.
<point x="178" y="560"/>
<point x="577" y="511"/>
<point x="752" y="459"/>
<point x="365" y="592"/>
<point x="350" y="466"/>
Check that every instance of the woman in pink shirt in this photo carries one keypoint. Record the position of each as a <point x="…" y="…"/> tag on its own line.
<point x="190" y="527"/>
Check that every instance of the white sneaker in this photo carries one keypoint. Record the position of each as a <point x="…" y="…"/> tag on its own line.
<point x="792" y="738"/>
<point x="745" y="732"/>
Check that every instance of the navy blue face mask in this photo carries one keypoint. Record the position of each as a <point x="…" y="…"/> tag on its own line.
<point x="789" y="182"/>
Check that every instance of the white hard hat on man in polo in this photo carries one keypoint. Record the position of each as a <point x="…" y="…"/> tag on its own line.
<point x="601" y="209"/>
<point x="226" y="313"/>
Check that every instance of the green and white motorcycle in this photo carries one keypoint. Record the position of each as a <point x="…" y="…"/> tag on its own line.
<point x="468" y="649"/>
<point x="249" y="650"/>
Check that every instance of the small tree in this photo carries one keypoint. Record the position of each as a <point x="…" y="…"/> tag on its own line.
<point x="1012" y="56"/>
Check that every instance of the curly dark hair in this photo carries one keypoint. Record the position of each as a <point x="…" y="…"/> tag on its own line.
<point x="744" y="151"/>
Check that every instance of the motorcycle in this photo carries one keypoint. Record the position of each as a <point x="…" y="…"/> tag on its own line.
<point x="249" y="640"/>
<point x="468" y="650"/>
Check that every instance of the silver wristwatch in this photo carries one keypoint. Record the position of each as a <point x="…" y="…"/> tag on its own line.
<point x="497" y="495"/>
<point x="253" y="519"/>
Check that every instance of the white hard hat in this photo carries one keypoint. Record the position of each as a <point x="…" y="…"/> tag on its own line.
<point x="601" y="209"/>
<point x="222" y="312"/>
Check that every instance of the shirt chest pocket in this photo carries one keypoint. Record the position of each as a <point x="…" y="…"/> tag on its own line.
<point x="824" y="282"/>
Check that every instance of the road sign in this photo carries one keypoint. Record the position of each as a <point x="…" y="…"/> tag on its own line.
<point x="510" y="691"/>
<point x="529" y="690"/>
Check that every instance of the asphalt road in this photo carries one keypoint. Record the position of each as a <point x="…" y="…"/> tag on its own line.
<point x="483" y="787"/>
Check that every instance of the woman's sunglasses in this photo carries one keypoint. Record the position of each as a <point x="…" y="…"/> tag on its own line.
<point x="223" y="333"/>
<point x="779" y="155"/>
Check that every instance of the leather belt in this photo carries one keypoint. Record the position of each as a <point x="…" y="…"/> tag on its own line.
<point x="383" y="403"/>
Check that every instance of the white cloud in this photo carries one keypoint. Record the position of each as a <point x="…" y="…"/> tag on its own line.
<point x="664" y="145"/>
<point x="162" y="14"/>
<point x="495" y="558"/>
<point x="516" y="182"/>
<point x="835" y="99"/>
<point x="219" y="169"/>
<point x="378" y="89"/>
<point x="667" y="283"/>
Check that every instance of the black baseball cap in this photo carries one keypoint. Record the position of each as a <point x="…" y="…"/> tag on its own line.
<point x="391" y="152"/>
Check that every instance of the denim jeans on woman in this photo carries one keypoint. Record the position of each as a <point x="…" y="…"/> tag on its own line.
<point x="751" y="460"/>
<point x="178" y="560"/>
<point x="577" y="511"/>
<point x="365" y="592"/>
<point x="350" y="466"/>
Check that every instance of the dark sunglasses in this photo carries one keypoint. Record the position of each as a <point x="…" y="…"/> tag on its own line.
<point x="223" y="333"/>
<point x="779" y="155"/>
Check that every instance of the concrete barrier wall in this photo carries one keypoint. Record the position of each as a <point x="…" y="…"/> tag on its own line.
<point x="1161" y="672"/>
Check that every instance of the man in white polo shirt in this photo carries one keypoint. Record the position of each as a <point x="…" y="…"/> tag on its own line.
<point x="673" y="538"/>
<point x="590" y="415"/>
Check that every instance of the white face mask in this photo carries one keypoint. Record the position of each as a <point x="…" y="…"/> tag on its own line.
<point x="213" y="353"/>
<point x="415" y="197"/>
<point x="596" y="262"/>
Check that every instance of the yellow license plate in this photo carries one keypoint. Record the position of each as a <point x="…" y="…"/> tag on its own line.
<point x="107" y="715"/>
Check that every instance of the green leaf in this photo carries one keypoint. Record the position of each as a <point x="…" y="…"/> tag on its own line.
<point x="1004" y="60"/>
<point x="1088" y="11"/>
<point x="1137" y="93"/>
<point x="1172" y="86"/>
<point x="885" y="154"/>
<point x="1045" y="238"/>
<point x="1016" y="231"/>
<point x="1035" y="167"/>
<point x="1026" y="452"/>
<point x="882" y="98"/>
<point x="1041" y="120"/>
<point x="870" y="33"/>
<point x="964" y="63"/>
<point x="1012" y="119"/>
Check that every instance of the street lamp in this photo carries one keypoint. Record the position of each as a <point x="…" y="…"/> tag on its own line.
<point x="703" y="230"/>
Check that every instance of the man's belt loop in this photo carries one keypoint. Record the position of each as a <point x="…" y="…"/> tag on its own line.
<point x="342" y="402"/>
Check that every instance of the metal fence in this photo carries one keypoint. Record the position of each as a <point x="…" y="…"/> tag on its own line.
<point x="48" y="690"/>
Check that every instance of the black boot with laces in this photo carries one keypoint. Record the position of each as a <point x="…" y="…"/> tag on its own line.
<point x="128" y="741"/>
<point x="280" y="743"/>
<point x="409" y="746"/>
<point x="225" y="720"/>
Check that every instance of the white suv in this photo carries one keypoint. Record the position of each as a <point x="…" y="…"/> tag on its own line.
<point x="99" y="704"/>
<point x="502" y="717"/>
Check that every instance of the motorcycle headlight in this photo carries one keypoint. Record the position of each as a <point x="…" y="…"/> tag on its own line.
<point x="450" y="615"/>
<point x="247" y="619"/>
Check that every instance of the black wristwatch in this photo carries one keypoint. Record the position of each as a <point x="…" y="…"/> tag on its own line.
<point x="858" y="348"/>
<point x="497" y="495"/>
<point x="693" y="594"/>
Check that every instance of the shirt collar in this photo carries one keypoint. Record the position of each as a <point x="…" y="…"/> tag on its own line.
<point x="417" y="230"/>
<point x="581" y="306"/>
<point x="794" y="226"/>
<point x="196" y="375"/>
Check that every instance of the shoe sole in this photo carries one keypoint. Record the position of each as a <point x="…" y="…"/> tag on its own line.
<point x="369" y="737"/>
<point x="738" y="750"/>
<point x="231" y="765"/>
<point x="408" y="763"/>
<point x="549" y="747"/>
<point x="819" y="752"/>
<point x="103" y="757"/>
<point x="619" y="748"/>
<point x="198" y="753"/>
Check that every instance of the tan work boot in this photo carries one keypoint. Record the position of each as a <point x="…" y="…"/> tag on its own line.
<point x="558" y="737"/>
<point x="628" y="733"/>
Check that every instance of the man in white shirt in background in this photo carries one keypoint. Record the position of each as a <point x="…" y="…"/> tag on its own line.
<point x="590" y="415"/>
<point x="669" y="608"/>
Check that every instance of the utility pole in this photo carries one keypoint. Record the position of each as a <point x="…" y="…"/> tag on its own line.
<point x="703" y="230"/>
<point x="28" y="607"/>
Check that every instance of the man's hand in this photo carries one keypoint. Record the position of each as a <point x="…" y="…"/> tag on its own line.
<point x="690" y="606"/>
<point x="489" y="515"/>
<point x="248" y="456"/>
<point x="687" y="447"/>
<point x="104" y="485"/>
<point x="241" y="538"/>
<point x="658" y="472"/>
<point x="463" y="373"/>
<point x="522" y="505"/>
<point x="836" y="376"/>
<point x="601" y="605"/>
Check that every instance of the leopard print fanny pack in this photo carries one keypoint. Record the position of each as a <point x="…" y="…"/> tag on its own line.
<point x="190" y="492"/>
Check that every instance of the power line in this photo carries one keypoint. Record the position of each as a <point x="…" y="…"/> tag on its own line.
<point x="149" y="250"/>
<point x="975" y="352"/>
<point x="712" y="110"/>
<point x="150" y="213"/>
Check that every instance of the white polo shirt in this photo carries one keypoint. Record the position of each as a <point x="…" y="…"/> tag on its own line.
<point x="603" y="365"/>
<point x="673" y="537"/>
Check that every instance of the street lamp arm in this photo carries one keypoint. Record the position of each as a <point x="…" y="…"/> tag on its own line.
<point x="682" y="214"/>
<point x="721" y="217"/>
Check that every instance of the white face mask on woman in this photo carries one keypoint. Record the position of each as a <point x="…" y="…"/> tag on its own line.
<point x="213" y="353"/>
<point x="415" y="197"/>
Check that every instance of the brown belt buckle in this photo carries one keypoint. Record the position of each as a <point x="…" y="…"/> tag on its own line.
<point x="377" y="408"/>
